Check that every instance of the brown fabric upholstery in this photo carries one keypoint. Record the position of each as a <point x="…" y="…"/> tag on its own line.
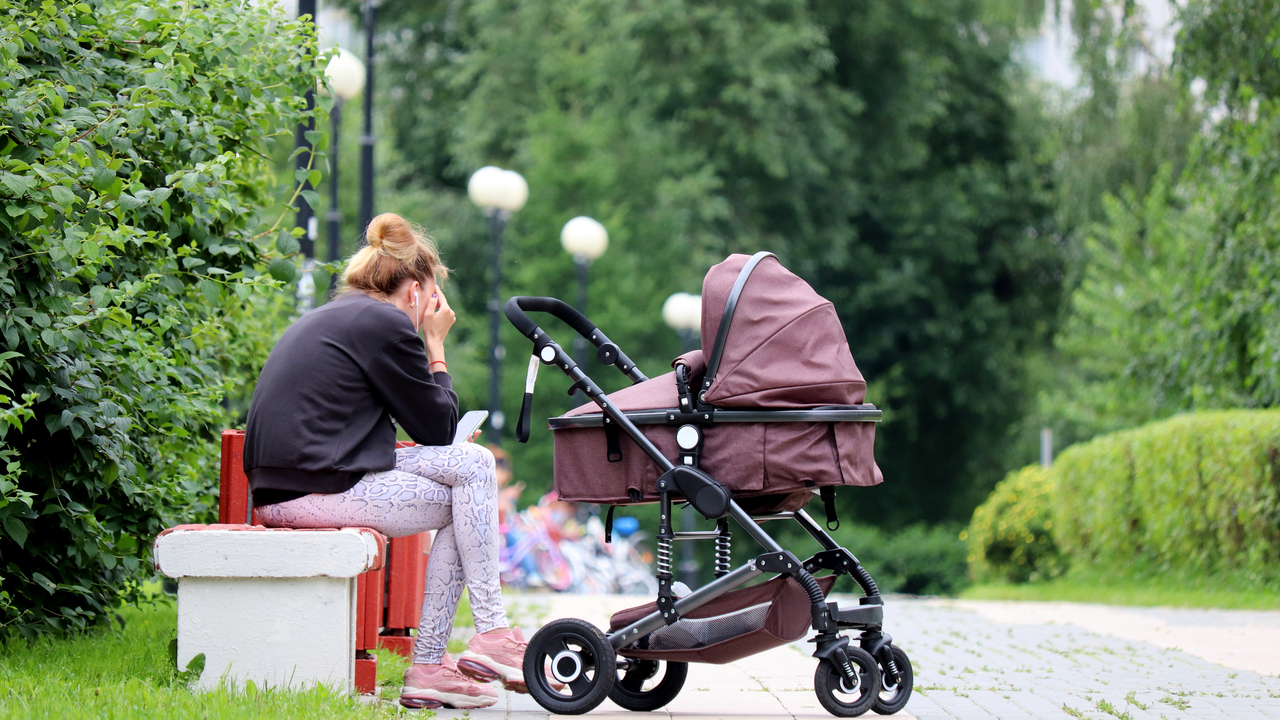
<point x="788" y="619"/>
<point x="785" y="349"/>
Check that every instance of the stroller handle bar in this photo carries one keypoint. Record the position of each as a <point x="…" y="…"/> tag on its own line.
<point x="517" y="306"/>
<point x="546" y="350"/>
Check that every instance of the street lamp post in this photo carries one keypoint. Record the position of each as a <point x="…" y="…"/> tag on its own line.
<point x="345" y="73"/>
<point x="370" y="8"/>
<point x="586" y="240"/>
<point x="306" y="218"/>
<point x="682" y="312"/>
<point x="499" y="193"/>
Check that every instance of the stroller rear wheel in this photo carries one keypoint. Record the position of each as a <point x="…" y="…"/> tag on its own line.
<point x="636" y="691"/>
<point x="834" y="691"/>
<point x="892" y="697"/>
<point x="569" y="667"/>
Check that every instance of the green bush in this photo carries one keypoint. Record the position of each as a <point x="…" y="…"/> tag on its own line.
<point x="1199" y="491"/>
<point x="918" y="560"/>
<point x="1196" y="493"/>
<point x="135" y="160"/>
<point x="1011" y="534"/>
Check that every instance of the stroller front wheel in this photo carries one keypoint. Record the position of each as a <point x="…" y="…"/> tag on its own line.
<point x="836" y="693"/>
<point x="630" y="693"/>
<point x="893" y="698"/>
<point x="569" y="667"/>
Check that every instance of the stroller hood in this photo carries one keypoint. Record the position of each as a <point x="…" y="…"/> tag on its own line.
<point x="784" y="348"/>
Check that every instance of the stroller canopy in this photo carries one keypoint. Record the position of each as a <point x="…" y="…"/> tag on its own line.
<point x="775" y="346"/>
<point x="783" y="347"/>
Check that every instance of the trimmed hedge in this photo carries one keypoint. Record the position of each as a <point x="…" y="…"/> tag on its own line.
<point x="1199" y="492"/>
<point x="1011" y="535"/>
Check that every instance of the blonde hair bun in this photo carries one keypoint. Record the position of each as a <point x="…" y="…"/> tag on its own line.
<point x="397" y="252"/>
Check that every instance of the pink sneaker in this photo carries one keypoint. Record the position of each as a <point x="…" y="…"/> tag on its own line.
<point x="437" y="686"/>
<point x="496" y="656"/>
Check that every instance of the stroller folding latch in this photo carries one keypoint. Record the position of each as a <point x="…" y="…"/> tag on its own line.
<point x="750" y="433"/>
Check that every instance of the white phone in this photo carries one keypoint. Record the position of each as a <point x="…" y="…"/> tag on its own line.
<point x="468" y="424"/>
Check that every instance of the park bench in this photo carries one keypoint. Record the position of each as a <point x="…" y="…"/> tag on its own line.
<point x="385" y="593"/>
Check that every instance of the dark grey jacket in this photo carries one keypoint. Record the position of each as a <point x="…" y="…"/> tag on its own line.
<point x="321" y="414"/>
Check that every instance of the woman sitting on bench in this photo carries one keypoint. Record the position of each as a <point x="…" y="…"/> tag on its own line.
<point x="320" y="452"/>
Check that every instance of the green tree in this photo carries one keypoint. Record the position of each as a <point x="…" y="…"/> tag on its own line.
<point x="1176" y="306"/>
<point x="876" y="147"/>
<point x="134" y="168"/>
<point x="1124" y="134"/>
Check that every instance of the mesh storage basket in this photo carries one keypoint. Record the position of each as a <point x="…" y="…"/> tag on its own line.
<point x="737" y="624"/>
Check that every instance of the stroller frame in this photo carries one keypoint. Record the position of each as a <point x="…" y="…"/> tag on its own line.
<point x="863" y="671"/>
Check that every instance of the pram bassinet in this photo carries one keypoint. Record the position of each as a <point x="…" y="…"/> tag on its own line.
<point x="777" y="403"/>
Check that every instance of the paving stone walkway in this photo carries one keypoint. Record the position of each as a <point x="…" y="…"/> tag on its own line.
<point x="979" y="660"/>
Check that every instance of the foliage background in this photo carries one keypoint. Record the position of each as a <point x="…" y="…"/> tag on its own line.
<point x="136" y="164"/>
<point x="1195" y="494"/>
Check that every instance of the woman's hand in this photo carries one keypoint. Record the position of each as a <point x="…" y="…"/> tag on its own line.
<point x="437" y="319"/>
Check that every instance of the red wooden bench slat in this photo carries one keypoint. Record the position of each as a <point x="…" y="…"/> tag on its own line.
<point x="407" y="574"/>
<point x="233" y="497"/>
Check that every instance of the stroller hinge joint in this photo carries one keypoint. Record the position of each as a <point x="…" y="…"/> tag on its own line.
<point x="667" y="601"/>
<point x="780" y="562"/>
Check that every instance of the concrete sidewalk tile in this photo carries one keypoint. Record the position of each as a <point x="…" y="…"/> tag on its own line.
<point x="704" y="714"/>
<point x="517" y="702"/>
<point x="924" y="708"/>
<point x="958" y="706"/>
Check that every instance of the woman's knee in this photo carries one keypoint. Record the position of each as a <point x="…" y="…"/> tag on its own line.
<point x="480" y="454"/>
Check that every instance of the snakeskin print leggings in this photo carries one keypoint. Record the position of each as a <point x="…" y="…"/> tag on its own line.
<point x="451" y="489"/>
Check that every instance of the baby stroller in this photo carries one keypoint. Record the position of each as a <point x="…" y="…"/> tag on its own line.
<point x="750" y="433"/>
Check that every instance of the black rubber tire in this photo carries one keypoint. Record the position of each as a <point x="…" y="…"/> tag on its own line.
<point x="828" y="683"/>
<point x="584" y="641"/>
<point x="628" y="695"/>
<point x="890" y="701"/>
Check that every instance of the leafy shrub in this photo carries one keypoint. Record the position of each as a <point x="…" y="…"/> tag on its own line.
<point x="1011" y="534"/>
<point x="1199" y="491"/>
<point x="917" y="560"/>
<point x="1196" y="493"/>
<point x="135" y="142"/>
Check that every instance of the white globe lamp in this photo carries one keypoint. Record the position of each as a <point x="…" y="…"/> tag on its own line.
<point x="583" y="237"/>
<point x="493" y="188"/>
<point x="682" y="311"/>
<point x="345" y="73"/>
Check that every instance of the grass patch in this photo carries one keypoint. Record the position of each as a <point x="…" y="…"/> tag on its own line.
<point x="126" y="673"/>
<point x="1139" y="588"/>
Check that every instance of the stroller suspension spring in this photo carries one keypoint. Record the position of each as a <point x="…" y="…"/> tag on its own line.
<point x="664" y="556"/>
<point x="724" y="543"/>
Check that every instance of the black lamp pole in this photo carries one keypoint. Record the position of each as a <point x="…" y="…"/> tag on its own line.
<point x="306" y="214"/>
<point x="579" y="342"/>
<point x="497" y="223"/>
<point x="367" y="139"/>
<point x="334" y="216"/>
<point x="305" y="211"/>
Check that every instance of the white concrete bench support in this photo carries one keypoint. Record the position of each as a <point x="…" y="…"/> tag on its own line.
<point x="274" y="606"/>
